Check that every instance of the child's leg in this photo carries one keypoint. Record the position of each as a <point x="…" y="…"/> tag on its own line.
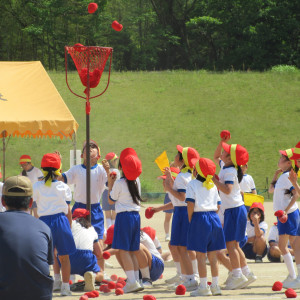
<point x="65" y="268"/>
<point x="224" y="259"/>
<point x="234" y="258"/>
<point x="126" y="259"/>
<point x="144" y="259"/>
<point x="167" y="221"/>
<point x="214" y="267"/>
<point x="201" y="259"/>
<point x="259" y="245"/>
<point x="108" y="218"/>
<point x="288" y="260"/>
<point x="185" y="262"/>
<point x="193" y="258"/>
<point x="113" y="217"/>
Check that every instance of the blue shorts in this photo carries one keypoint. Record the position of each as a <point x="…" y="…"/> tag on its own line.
<point x="157" y="268"/>
<point x="61" y="233"/>
<point x="166" y="201"/>
<point x="235" y="222"/>
<point x="290" y="227"/>
<point x="97" y="218"/>
<point x="180" y="226"/>
<point x="83" y="261"/>
<point x="127" y="231"/>
<point x="205" y="232"/>
<point x="248" y="251"/>
<point x="243" y="242"/>
<point x="105" y="205"/>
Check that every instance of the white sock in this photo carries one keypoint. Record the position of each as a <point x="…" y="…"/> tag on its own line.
<point x="178" y="268"/>
<point x="112" y="221"/>
<point x="137" y="275"/>
<point x="108" y="222"/>
<point x="130" y="276"/>
<point x="298" y="270"/>
<point x="215" y="281"/>
<point x="203" y="282"/>
<point x="72" y="278"/>
<point x="57" y="277"/>
<point x="65" y="286"/>
<point x="145" y="272"/>
<point x="288" y="260"/>
<point x="245" y="270"/>
<point x="195" y="266"/>
<point x="237" y="272"/>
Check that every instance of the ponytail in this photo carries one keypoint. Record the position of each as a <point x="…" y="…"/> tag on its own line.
<point x="200" y="178"/>
<point x="134" y="191"/>
<point x="49" y="174"/>
<point x="239" y="173"/>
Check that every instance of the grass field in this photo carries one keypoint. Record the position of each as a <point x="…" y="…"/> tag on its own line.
<point x="155" y="111"/>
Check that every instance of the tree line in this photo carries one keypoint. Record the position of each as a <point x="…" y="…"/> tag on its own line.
<point x="157" y="34"/>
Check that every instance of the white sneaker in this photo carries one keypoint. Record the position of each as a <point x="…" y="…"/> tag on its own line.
<point x="174" y="279"/>
<point x="191" y="285"/>
<point x="216" y="290"/>
<point x="228" y="278"/>
<point x="73" y="278"/>
<point x="295" y="284"/>
<point x="106" y="277"/>
<point x="201" y="291"/>
<point x="167" y="238"/>
<point x="132" y="287"/>
<point x="89" y="279"/>
<point x="235" y="282"/>
<point x="147" y="283"/>
<point x="56" y="285"/>
<point x="65" y="291"/>
<point x="286" y="282"/>
<point x="251" y="278"/>
<point x="169" y="263"/>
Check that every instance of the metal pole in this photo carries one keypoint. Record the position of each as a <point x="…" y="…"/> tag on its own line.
<point x="88" y="160"/>
<point x="3" y="140"/>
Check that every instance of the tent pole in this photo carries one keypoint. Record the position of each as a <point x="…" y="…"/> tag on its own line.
<point x="3" y="164"/>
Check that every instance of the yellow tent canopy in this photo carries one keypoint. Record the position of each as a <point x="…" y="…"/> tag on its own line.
<point x="30" y="105"/>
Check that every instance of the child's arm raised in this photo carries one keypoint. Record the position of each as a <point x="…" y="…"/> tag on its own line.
<point x="273" y="182"/>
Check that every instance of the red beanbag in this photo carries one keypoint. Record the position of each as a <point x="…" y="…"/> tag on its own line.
<point x="149" y="212"/>
<point x="116" y="26"/>
<point x="105" y="281"/>
<point x="282" y="217"/>
<point x="106" y="290"/>
<point x="111" y="285"/>
<point x="161" y="276"/>
<point x="102" y="287"/>
<point x="92" y="294"/>
<point x="119" y="291"/>
<point x="123" y="282"/>
<point x="149" y="297"/>
<point x="114" y="277"/>
<point x="277" y="286"/>
<point x="121" y="279"/>
<point x="180" y="290"/>
<point x="106" y="255"/>
<point x="290" y="293"/>
<point x="92" y="7"/>
<point x="119" y="285"/>
<point x="84" y="297"/>
<point x="70" y="282"/>
<point x="225" y="134"/>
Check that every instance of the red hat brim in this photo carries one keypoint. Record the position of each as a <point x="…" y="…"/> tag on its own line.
<point x="179" y="148"/>
<point x="257" y="205"/>
<point x="226" y="147"/>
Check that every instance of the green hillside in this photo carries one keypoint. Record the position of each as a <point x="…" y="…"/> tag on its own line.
<point x="155" y="111"/>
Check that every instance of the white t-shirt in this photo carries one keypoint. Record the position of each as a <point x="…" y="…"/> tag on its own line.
<point x="180" y="185"/>
<point x="34" y="174"/>
<point x="2" y="208"/>
<point x="250" y="228"/>
<point x="51" y="200"/>
<point x="84" y="238"/>
<point x="247" y="184"/>
<point x="280" y="199"/>
<point x="77" y="175"/>
<point x="121" y="195"/>
<point x="204" y="199"/>
<point x="148" y="243"/>
<point x="273" y="234"/>
<point x="157" y="243"/>
<point x="228" y="175"/>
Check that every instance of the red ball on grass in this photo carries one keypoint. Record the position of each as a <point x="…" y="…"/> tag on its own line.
<point x="92" y="7"/>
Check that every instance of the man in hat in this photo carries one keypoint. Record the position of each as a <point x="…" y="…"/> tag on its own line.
<point x="26" y="245"/>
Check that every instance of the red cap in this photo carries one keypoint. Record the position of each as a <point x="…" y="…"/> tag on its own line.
<point x="290" y="293"/>
<point x="131" y="164"/>
<point x="24" y="159"/>
<point x="150" y="231"/>
<point x="94" y="143"/>
<point x="289" y="153"/>
<point x="257" y="205"/>
<point x="92" y="7"/>
<point x="111" y="155"/>
<point x="296" y="154"/>
<point x="224" y="134"/>
<point x="51" y="160"/>
<point x="180" y="290"/>
<point x="239" y="155"/>
<point x="188" y="153"/>
<point x="174" y="172"/>
<point x="149" y="212"/>
<point x="109" y="235"/>
<point x="204" y="166"/>
<point x="80" y="213"/>
<point x="277" y="286"/>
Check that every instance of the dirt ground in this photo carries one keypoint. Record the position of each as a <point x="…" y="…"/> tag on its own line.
<point x="266" y="272"/>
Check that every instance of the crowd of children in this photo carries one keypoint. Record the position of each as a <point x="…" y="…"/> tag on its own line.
<point x="201" y="203"/>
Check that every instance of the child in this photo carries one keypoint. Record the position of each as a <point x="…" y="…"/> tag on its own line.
<point x="77" y="175"/>
<point x="274" y="254"/>
<point x="84" y="260"/>
<point x="180" y="223"/>
<point x="33" y="173"/>
<point x="168" y="212"/>
<point x="247" y="184"/>
<point x="109" y="210"/>
<point x="235" y="213"/>
<point x="284" y="198"/>
<point x="256" y="246"/>
<point x="51" y="197"/>
<point x="125" y="193"/>
<point x="205" y="234"/>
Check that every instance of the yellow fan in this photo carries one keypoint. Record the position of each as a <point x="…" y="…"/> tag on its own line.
<point x="250" y="198"/>
<point x="162" y="161"/>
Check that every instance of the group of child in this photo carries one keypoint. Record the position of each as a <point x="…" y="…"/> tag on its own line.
<point x="206" y="206"/>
